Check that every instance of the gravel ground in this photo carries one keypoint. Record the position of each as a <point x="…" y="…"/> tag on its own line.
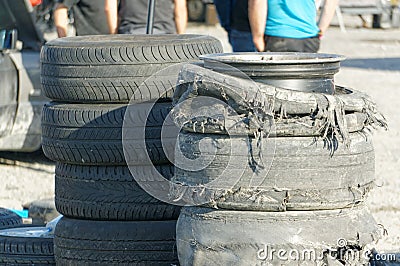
<point x="373" y="66"/>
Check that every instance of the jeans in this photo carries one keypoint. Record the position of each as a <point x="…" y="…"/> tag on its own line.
<point x="241" y="41"/>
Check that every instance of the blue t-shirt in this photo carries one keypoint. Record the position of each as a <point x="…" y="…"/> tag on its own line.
<point x="292" y="19"/>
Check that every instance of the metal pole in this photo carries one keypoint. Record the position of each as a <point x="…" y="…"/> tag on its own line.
<point x="150" y="16"/>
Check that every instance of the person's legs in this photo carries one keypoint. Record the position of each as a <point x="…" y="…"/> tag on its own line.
<point x="241" y="41"/>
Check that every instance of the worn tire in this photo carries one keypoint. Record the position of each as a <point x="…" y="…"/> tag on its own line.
<point x="111" y="68"/>
<point x="213" y="84"/>
<point x="305" y="126"/>
<point x="85" y="242"/>
<point x="9" y="219"/>
<point x="89" y="134"/>
<point x="224" y="237"/>
<point x="25" y="249"/>
<point x="108" y="193"/>
<point x="305" y="173"/>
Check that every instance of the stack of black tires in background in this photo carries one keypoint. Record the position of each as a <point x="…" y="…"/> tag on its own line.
<point x="108" y="219"/>
<point x="294" y="198"/>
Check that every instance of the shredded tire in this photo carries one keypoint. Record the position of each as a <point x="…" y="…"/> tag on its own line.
<point x="258" y="103"/>
<point x="304" y="174"/>
<point x="224" y="237"/>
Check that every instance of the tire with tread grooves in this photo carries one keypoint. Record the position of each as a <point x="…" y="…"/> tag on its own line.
<point x="87" y="242"/>
<point x="108" y="193"/>
<point x="89" y="134"/>
<point x="19" y="247"/>
<point x="9" y="219"/>
<point x="110" y="68"/>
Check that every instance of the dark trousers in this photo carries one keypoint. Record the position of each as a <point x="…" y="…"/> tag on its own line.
<point x="278" y="44"/>
<point x="241" y="41"/>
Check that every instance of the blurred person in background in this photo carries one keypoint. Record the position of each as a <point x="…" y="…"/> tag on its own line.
<point x="289" y="25"/>
<point x="233" y="17"/>
<point x="88" y="16"/>
<point x="130" y="16"/>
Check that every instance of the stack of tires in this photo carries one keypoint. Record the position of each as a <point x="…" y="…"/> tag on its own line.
<point x="108" y="218"/>
<point x="292" y="198"/>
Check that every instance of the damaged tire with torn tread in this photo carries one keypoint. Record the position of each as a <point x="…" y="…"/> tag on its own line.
<point x="287" y="127"/>
<point x="9" y="219"/>
<point x="111" y="68"/>
<point x="225" y="237"/>
<point x="305" y="173"/>
<point x="90" y="134"/>
<point x="109" y="193"/>
<point x="88" y="242"/>
<point x="199" y="81"/>
<point x="26" y="246"/>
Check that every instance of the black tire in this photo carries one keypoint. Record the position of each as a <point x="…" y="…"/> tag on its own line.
<point x="84" y="242"/>
<point x="213" y="84"/>
<point x="19" y="247"/>
<point x="42" y="211"/>
<point x="108" y="193"/>
<point x="223" y="237"/>
<point x="89" y="134"/>
<point x="306" y="173"/>
<point x="9" y="219"/>
<point x="110" y="68"/>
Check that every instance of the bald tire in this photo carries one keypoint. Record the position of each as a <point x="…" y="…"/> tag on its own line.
<point x="300" y="173"/>
<point x="227" y="237"/>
